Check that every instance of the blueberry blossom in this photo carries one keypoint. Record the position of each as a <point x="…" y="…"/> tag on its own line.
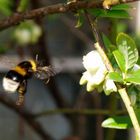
<point x="109" y="86"/>
<point x="95" y="70"/>
<point x="95" y="73"/>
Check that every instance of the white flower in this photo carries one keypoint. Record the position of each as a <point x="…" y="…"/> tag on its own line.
<point x="93" y="61"/>
<point x="95" y="70"/>
<point x="27" y="32"/>
<point x="109" y="86"/>
<point x="23" y="36"/>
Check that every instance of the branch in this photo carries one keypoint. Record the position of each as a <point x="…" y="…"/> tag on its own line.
<point x="16" y="18"/>
<point x="77" y="112"/>
<point x="130" y="110"/>
<point x="27" y="116"/>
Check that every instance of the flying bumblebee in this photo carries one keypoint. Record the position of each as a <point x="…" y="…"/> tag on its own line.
<point x="16" y="78"/>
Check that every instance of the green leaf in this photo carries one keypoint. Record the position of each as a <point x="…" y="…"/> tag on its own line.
<point x="116" y="14"/>
<point x="120" y="60"/>
<point x="79" y="19"/>
<point x="115" y="76"/>
<point x="22" y="5"/>
<point x="106" y="40"/>
<point x="133" y="77"/>
<point x="109" y="13"/>
<point x="127" y="47"/>
<point x="122" y="122"/>
<point x="96" y="12"/>
<point x="137" y="111"/>
<point x="108" y="44"/>
<point x="5" y="7"/>
<point x="121" y="7"/>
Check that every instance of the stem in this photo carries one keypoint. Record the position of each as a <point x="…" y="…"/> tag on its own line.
<point x="104" y="57"/>
<point x="130" y="110"/>
<point x="77" y="111"/>
<point x="99" y="44"/>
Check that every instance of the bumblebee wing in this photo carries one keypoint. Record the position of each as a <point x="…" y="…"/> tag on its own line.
<point x="49" y="70"/>
<point x="44" y="73"/>
<point x="7" y="63"/>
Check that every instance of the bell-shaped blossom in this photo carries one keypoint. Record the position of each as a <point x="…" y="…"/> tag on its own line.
<point x="95" y="70"/>
<point x="95" y="74"/>
<point x="109" y="86"/>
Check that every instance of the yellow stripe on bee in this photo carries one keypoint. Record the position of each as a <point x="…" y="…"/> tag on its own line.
<point x="33" y="63"/>
<point x="20" y="70"/>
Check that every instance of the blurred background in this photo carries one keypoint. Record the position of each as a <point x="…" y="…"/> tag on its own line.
<point x="57" y="42"/>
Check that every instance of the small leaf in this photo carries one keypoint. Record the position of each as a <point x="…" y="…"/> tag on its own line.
<point x="116" y="14"/>
<point x="121" y="7"/>
<point x="133" y="77"/>
<point x="137" y="111"/>
<point x="117" y="122"/>
<point x="79" y="19"/>
<point x="109" y="13"/>
<point x="5" y="7"/>
<point x="106" y="40"/>
<point x="108" y="44"/>
<point x="115" y="76"/>
<point x="23" y="4"/>
<point x="128" y="49"/>
<point x="96" y="12"/>
<point x="120" y="60"/>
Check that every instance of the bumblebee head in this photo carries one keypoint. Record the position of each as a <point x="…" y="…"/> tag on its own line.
<point x="12" y="81"/>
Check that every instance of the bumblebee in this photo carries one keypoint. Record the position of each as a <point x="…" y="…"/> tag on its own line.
<point x="16" y="78"/>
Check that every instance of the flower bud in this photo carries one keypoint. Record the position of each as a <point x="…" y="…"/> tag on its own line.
<point x="109" y="86"/>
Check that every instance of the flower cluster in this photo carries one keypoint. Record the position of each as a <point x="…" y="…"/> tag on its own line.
<point x="96" y="73"/>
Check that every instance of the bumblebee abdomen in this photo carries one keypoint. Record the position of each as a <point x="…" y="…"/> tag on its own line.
<point x="15" y="76"/>
<point x="9" y="85"/>
<point x="12" y="80"/>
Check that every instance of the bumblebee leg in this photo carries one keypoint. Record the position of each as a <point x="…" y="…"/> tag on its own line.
<point x="46" y="81"/>
<point x="21" y="91"/>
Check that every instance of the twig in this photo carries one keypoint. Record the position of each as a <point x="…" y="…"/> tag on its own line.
<point x="130" y="110"/>
<point x="27" y="116"/>
<point x="99" y="45"/>
<point x="77" y="112"/>
<point x="41" y="12"/>
<point x="16" y="18"/>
